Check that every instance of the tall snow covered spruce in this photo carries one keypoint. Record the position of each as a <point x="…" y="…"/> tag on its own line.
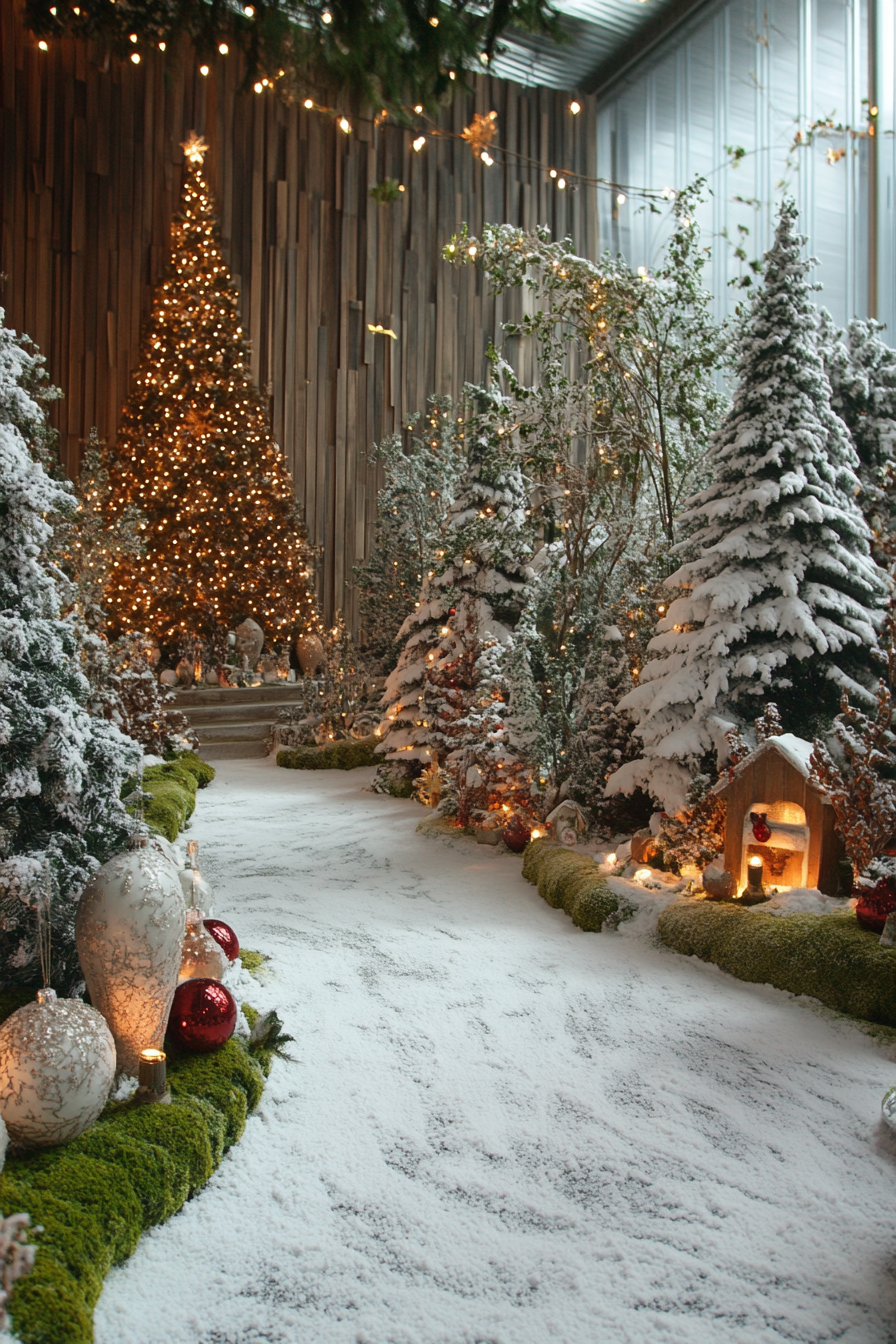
<point x="861" y="369"/>
<point x="781" y="598"/>
<point x="61" y="770"/>
<point x="472" y="596"/>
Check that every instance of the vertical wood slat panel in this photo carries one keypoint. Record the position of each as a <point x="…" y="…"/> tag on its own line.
<point x="90" y="174"/>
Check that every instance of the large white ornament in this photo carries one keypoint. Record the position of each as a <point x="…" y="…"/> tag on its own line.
<point x="57" y="1063"/>
<point x="129" y="931"/>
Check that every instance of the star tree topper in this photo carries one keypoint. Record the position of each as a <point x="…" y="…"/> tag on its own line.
<point x="195" y="147"/>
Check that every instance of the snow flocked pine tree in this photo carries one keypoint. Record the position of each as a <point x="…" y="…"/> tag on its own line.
<point x="223" y="537"/>
<point x="61" y="770"/>
<point x="861" y="369"/>
<point x="420" y="484"/>
<point x="781" y="599"/>
<point x="471" y="598"/>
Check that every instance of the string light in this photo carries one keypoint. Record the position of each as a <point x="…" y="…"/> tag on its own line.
<point x="575" y="108"/>
<point x="135" y="57"/>
<point x="223" y="48"/>
<point x="203" y="70"/>
<point x="419" y="143"/>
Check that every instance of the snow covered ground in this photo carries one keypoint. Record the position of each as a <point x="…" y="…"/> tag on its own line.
<point x="501" y="1130"/>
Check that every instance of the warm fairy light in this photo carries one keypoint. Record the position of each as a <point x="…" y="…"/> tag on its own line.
<point x="561" y="183"/>
<point x="135" y="57"/>
<point x="203" y="70"/>
<point x="308" y="103"/>
<point x="535" y="833"/>
<point x="418" y="109"/>
<point x="552" y="173"/>
<point x="610" y="860"/>
<point x="575" y="108"/>
<point x="433" y="23"/>
<point x="620" y="199"/>
<point x="132" y="37"/>
<point x="43" y="46"/>
<point x="162" y="46"/>
<point x="249" y="11"/>
<point x="471" y="250"/>
<point x="258" y="87"/>
<point x="345" y="125"/>
<point x="452" y="75"/>
<point x="223" y="48"/>
<point x="196" y="456"/>
<point x="419" y="143"/>
<point x="486" y="158"/>
<point x="327" y="17"/>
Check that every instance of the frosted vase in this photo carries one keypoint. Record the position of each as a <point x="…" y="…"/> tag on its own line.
<point x="129" y="931"/>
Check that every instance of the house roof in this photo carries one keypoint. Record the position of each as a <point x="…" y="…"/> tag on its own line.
<point x="795" y="750"/>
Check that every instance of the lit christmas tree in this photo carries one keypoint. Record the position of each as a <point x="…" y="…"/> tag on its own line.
<point x="223" y="535"/>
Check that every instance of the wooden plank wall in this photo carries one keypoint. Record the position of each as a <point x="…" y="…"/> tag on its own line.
<point x="90" y="174"/>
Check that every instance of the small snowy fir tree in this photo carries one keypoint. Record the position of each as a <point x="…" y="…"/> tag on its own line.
<point x="420" y="484"/>
<point x="862" y="372"/>
<point x="779" y="594"/>
<point x="61" y="769"/>
<point x="473" y="593"/>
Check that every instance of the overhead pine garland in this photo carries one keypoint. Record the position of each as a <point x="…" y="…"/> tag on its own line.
<point x="392" y="53"/>
<point x="223" y="536"/>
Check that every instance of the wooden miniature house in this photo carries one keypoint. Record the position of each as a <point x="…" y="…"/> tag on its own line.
<point x="799" y="846"/>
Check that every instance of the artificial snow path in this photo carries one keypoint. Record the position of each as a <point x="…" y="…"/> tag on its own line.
<point x="501" y="1130"/>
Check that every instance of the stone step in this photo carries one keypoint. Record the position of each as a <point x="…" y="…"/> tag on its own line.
<point x="223" y="732"/>
<point x="281" y="693"/>
<point x="200" y="715"/>
<point x="240" y="749"/>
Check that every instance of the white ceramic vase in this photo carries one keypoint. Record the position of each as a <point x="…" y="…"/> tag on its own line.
<point x="57" y="1064"/>
<point x="129" y="931"/>
<point x="202" y="957"/>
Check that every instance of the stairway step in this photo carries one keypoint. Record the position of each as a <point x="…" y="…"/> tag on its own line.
<point x="199" y="715"/>
<point x="223" y="732"/>
<point x="273" y="694"/>
<point x="240" y="749"/>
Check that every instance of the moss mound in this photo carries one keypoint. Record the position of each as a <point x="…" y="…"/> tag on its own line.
<point x="828" y="957"/>
<point x="348" y="754"/>
<point x="571" y="882"/>
<point x="173" y="787"/>
<point x="134" y="1168"/>
<point x="201" y="771"/>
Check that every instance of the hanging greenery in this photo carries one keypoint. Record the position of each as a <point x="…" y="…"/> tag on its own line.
<point x="394" y="54"/>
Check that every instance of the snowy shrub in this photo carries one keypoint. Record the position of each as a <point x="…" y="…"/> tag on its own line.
<point x="61" y="769"/>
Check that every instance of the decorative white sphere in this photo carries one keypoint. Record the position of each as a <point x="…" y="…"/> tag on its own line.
<point x="57" y="1063"/>
<point x="129" y="930"/>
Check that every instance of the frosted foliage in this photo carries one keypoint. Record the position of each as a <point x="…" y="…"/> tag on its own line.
<point x="62" y="770"/>
<point x="778" y="594"/>
<point x="473" y="595"/>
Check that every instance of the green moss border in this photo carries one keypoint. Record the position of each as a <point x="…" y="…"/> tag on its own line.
<point x="571" y="882"/>
<point x="828" y="957"/>
<point x="348" y="754"/>
<point x="132" y="1170"/>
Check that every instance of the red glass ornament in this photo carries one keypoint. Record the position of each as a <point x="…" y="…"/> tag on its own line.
<point x="224" y="936"/>
<point x="516" y="834"/>
<point x="875" y="904"/>
<point x="761" y="829"/>
<point x="203" y="1015"/>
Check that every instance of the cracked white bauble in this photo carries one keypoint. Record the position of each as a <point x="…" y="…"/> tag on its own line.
<point x="57" y="1063"/>
<point x="129" y="931"/>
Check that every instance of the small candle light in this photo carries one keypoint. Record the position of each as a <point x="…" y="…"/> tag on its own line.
<point x="535" y="834"/>
<point x="610" y="860"/>
<point x="754" y="892"/>
<point x="153" y="1086"/>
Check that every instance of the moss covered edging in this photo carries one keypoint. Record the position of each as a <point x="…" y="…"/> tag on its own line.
<point x="827" y="957"/>
<point x="173" y="787"/>
<point x="133" y="1169"/>
<point x="571" y="882"/>
<point x="348" y="754"/>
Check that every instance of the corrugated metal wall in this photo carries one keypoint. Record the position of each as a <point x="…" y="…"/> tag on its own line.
<point x="91" y="173"/>
<point x="751" y="73"/>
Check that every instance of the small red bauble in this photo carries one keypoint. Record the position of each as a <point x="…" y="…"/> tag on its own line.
<point x="516" y="834"/>
<point x="761" y="828"/>
<point x="224" y="936"/>
<point x="203" y="1015"/>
